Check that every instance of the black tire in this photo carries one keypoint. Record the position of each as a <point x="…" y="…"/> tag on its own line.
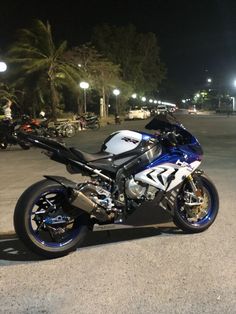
<point x="24" y="145"/>
<point x="51" y="132"/>
<point x="23" y="222"/>
<point x="69" y="130"/>
<point x="210" y="195"/>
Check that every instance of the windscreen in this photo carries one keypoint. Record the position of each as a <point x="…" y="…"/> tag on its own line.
<point x="163" y="122"/>
<point x="168" y="123"/>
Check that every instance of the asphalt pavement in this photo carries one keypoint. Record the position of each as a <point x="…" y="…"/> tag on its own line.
<point x="153" y="269"/>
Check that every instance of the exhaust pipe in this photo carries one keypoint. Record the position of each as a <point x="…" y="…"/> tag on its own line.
<point x="83" y="202"/>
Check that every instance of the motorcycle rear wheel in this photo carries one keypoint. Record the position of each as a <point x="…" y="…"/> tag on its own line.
<point x="194" y="219"/>
<point x="35" y="211"/>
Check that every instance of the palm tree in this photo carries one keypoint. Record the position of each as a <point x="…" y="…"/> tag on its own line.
<point x="8" y="93"/>
<point x="36" y="55"/>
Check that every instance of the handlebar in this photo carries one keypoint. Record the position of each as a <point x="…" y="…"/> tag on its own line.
<point x="171" y="138"/>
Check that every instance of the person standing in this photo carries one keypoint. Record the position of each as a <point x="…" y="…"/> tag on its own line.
<point x="7" y="110"/>
<point x="117" y="118"/>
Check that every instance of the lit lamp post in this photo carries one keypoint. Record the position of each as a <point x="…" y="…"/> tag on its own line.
<point x="134" y="99"/>
<point x="209" y="83"/>
<point x="84" y="86"/>
<point x="116" y="92"/>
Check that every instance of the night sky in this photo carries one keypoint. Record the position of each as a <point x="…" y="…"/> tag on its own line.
<point x="197" y="37"/>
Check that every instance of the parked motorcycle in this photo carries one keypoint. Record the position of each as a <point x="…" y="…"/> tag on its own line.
<point x="47" y="128"/>
<point x="65" y="129"/>
<point x="88" y="121"/>
<point x="53" y="216"/>
<point x="9" y="135"/>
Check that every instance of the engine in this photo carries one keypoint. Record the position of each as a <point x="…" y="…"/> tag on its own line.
<point x="140" y="191"/>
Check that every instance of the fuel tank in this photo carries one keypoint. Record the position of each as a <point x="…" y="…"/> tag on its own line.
<point x="125" y="140"/>
<point x="130" y="150"/>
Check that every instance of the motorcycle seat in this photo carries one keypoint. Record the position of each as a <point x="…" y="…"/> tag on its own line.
<point x="87" y="157"/>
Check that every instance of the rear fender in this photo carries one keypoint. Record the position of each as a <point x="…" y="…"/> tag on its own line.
<point x="63" y="181"/>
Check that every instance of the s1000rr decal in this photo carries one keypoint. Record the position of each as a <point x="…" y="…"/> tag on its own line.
<point x="166" y="176"/>
<point x="129" y="139"/>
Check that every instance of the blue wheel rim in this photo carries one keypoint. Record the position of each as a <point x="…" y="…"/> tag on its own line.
<point x="72" y="234"/>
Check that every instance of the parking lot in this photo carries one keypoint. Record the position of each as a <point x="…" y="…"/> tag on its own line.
<point x="153" y="269"/>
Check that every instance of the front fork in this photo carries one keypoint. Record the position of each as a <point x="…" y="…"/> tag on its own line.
<point x="195" y="197"/>
<point x="168" y="200"/>
<point x="193" y="185"/>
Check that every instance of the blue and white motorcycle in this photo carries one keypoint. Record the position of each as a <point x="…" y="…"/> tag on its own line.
<point x="53" y="216"/>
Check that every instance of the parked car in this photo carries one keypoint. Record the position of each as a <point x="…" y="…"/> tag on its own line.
<point x="192" y="110"/>
<point x="147" y="111"/>
<point x="161" y="109"/>
<point x="137" y="114"/>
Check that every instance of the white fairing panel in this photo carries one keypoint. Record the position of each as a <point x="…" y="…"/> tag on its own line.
<point x="158" y="176"/>
<point x="123" y="141"/>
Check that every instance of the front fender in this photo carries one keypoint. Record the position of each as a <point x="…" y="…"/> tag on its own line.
<point x="63" y="181"/>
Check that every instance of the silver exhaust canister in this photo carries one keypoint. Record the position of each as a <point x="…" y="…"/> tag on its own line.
<point x="83" y="202"/>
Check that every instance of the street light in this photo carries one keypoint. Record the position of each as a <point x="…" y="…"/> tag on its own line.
<point x="116" y="92"/>
<point x="134" y="96"/>
<point x="143" y="99"/>
<point x="3" y="66"/>
<point x="84" y="86"/>
<point x="209" y="80"/>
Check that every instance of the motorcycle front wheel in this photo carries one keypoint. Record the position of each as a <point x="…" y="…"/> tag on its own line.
<point x="190" y="216"/>
<point x="69" y="130"/>
<point x="43" y="221"/>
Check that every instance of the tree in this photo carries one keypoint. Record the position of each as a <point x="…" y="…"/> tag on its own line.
<point x="102" y="74"/>
<point x="138" y="55"/>
<point x="7" y="93"/>
<point x="35" y="55"/>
